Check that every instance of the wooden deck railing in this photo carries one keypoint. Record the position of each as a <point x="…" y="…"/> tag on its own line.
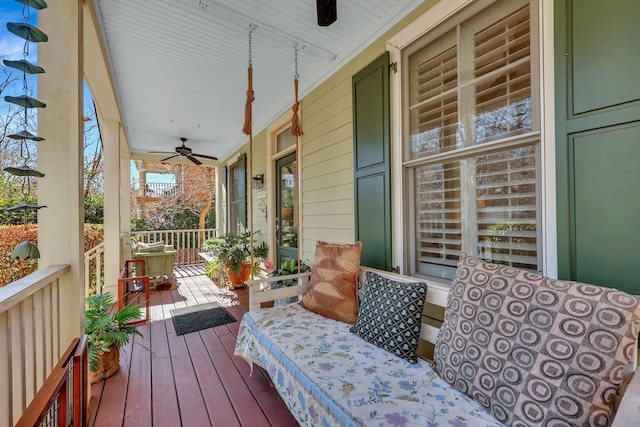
<point x="187" y="243"/>
<point x="93" y="269"/>
<point x="30" y="329"/>
<point x="62" y="400"/>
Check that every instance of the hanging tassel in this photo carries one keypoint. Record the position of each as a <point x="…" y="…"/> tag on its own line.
<point x="296" y="126"/>
<point x="246" y="129"/>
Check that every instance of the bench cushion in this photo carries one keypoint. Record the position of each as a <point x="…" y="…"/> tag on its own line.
<point x="330" y="377"/>
<point x="390" y="315"/>
<point x="535" y="350"/>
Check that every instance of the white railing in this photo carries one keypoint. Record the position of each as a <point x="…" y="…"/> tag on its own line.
<point x="93" y="270"/>
<point x="187" y="243"/>
<point x="158" y="189"/>
<point x="30" y="330"/>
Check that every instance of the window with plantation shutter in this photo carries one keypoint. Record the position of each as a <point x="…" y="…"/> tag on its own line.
<point x="471" y="156"/>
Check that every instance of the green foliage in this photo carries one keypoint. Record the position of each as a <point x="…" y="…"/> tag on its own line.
<point x="233" y="250"/>
<point x="290" y="266"/>
<point x="12" y="235"/>
<point x="94" y="209"/>
<point x="215" y="271"/>
<point x="11" y="195"/>
<point x="105" y="328"/>
<point x="178" y="219"/>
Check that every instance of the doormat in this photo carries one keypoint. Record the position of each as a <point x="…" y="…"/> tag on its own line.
<point x="197" y="317"/>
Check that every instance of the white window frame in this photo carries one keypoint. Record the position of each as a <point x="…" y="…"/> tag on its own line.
<point x="429" y="21"/>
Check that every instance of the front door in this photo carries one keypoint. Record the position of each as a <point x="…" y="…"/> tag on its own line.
<point x="286" y="208"/>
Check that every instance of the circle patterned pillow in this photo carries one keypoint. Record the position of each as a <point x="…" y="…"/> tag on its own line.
<point x="535" y="351"/>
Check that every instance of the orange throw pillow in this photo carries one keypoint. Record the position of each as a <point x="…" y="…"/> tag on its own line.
<point x="333" y="289"/>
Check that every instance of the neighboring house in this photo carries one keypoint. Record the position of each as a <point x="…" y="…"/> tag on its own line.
<point x="161" y="185"/>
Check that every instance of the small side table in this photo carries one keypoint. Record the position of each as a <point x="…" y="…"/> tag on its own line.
<point x="133" y="284"/>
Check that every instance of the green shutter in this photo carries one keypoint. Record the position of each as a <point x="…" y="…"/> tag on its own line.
<point x="372" y="173"/>
<point x="225" y="188"/>
<point x="242" y="190"/>
<point x="598" y="141"/>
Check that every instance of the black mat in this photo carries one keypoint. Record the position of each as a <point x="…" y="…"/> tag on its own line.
<point x="197" y="317"/>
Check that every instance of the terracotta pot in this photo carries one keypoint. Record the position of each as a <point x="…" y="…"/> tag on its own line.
<point x="237" y="279"/>
<point x="109" y="365"/>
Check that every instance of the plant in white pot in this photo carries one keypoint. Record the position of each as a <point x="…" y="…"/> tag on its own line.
<point x="107" y="331"/>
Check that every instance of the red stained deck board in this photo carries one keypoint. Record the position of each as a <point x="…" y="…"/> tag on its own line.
<point x="165" y="410"/>
<point x="193" y="411"/>
<point x="220" y="409"/>
<point x="261" y="387"/>
<point x="138" y="407"/>
<point x="249" y="411"/>
<point x="110" y="412"/>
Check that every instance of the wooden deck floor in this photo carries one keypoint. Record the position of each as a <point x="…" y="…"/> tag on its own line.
<point x="187" y="380"/>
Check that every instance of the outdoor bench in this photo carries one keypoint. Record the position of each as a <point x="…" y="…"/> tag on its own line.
<point x="328" y="376"/>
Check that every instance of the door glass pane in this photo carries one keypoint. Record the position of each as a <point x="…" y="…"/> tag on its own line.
<point x="288" y="215"/>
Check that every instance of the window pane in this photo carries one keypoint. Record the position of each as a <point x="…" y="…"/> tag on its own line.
<point x="433" y="103"/>
<point x="502" y="77"/>
<point x="507" y="208"/>
<point x="285" y="140"/>
<point x="486" y="206"/>
<point x="438" y="218"/>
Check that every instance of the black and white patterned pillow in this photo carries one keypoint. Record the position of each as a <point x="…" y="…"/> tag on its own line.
<point x="390" y="315"/>
<point x="533" y="350"/>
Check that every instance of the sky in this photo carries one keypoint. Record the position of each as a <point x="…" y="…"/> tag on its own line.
<point x="11" y="47"/>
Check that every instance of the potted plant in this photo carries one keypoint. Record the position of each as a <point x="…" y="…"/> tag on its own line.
<point x="288" y="266"/>
<point x="107" y="331"/>
<point x="233" y="251"/>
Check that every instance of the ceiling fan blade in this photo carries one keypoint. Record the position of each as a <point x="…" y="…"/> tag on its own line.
<point x="160" y="152"/>
<point x="170" y="157"/>
<point x="204" y="156"/>
<point x="194" y="160"/>
<point x="327" y="12"/>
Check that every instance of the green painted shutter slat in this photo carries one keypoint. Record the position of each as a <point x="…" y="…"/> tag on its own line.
<point x="372" y="167"/>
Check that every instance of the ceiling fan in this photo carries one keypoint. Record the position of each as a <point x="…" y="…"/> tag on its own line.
<point x="184" y="151"/>
<point x="327" y="12"/>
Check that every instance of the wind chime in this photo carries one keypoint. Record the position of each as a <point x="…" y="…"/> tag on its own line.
<point x="31" y="34"/>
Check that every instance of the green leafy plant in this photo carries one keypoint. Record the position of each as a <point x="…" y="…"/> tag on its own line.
<point x="215" y="271"/>
<point x="234" y="250"/>
<point x="290" y="266"/>
<point x="105" y="328"/>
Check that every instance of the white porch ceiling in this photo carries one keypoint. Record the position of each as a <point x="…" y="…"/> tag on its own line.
<point x="180" y="66"/>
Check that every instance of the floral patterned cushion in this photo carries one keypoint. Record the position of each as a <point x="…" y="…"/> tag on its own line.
<point x="534" y="350"/>
<point x="334" y="273"/>
<point x="390" y="315"/>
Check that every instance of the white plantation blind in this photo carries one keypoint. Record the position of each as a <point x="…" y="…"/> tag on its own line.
<point x="472" y="87"/>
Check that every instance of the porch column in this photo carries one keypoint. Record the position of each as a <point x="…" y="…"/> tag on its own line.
<point x="125" y="196"/>
<point x="60" y="157"/>
<point x="110" y="131"/>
